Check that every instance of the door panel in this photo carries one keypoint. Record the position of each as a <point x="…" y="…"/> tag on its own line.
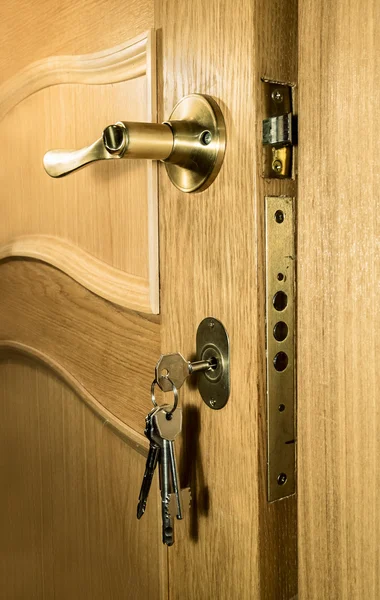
<point x="100" y="345"/>
<point x="66" y="511"/>
<point x="34" y="31"/>
<point x="233" y="544"/>
<point x="101" y="226"/>
<point x="211" y="263"/>
<point x="338" y="282"/>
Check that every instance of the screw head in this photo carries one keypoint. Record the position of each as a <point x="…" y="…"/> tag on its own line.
<point x="277" y="96"/>
<point x="212" y="402"/>
<point x="282" y="479"/>
<point x="277" y="166"/>
<point x="206" y="138"/>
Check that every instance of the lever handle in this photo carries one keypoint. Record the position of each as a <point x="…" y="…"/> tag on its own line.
<point x="121" y="140"/>
<point x="191" y="143"/>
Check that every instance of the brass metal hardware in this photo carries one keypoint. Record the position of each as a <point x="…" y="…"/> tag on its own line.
<point x="212" y="365"/>
<point x="280" y="346"/>
<point x="278" y="134"/>
<point x="191" y="144"/>
<point x="213" y="342"/>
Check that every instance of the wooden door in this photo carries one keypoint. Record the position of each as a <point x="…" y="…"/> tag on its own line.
<point x="84" y="320"/>
<point x="338" y="283"/>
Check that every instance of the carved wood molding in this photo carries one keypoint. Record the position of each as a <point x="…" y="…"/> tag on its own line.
<point x="104" y="280"/>
<point x="131" y="60"/>
<point x="123" y="62"/>
<point x="129" y="435"/>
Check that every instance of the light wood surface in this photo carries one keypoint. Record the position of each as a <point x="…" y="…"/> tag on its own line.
<point x="34" y="31"/>
<point x="68" y="502"/>
<point x="338" y="283"/>
<point x="104" y="280"/>
<point x="16" y="349"/>
<point x="240" y="547"/>
<point x="99" y="225"/>
<point x="113" y="65"/>
<point x="233" y="545"/>
<point x="109" y="350"/>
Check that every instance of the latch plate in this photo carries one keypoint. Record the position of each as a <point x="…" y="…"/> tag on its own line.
<point x="280" y="345"/>
<point x="278" y="135"/>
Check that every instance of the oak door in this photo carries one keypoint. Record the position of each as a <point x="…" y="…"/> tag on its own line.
<point x="103" y="270"/>
<point x="338" y="283"/>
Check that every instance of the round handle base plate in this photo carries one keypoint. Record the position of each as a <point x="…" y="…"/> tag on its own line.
<point x="199" y="143"/>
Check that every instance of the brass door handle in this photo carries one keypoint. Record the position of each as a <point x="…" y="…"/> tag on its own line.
<point x="191" y="144"/>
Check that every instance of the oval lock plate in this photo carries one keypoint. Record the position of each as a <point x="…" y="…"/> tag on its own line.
<point x="212" y="341"/>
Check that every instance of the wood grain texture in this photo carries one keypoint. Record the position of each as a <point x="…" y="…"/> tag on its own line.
<point x="113" y="65"/>
<point x="136" y="440"/>
<point x="61" y="27"/>
<point x="68" y="502"/>
<point x="104" y="280"/>
<point x="99" y="225"/>
<point x="241" y="547"/>
<point x="110" y="351"/>
<point x="339" y="232"/>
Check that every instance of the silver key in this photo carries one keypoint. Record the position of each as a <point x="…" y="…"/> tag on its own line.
<point x="150" y="465"/>
<point x="173" y="368"/>
<point x="168" y="429"/>
<point x="185" y="499"/>
<point x="165" y="428"/>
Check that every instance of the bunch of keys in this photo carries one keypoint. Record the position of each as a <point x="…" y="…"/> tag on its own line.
<point x="162" y="425"/>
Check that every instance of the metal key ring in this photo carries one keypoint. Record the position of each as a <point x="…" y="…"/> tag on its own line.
<point x="174" y="390"/>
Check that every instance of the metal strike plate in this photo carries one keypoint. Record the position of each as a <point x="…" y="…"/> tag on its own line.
<point x="213" y="342"/>
<point x="280" y="346"/>
<point x="278" y="134"/>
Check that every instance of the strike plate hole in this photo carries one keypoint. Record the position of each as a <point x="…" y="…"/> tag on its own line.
<point x="280" y="301"/>
<point x="280" y="331"/>
<point x="281" y="407"/>
<point x="280" y="361"/>
<point x="279" y="216"/>
<point x="280" y="276"/>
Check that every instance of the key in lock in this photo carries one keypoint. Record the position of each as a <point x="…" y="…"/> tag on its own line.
<point x="174" y="369"/>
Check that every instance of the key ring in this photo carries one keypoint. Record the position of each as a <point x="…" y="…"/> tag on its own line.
<point x="175" y="392"/>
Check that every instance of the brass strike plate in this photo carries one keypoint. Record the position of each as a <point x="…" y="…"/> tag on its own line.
<point x="213" y="342"/>
<point x="280" y="346"/>
<point x="278" y="134"/>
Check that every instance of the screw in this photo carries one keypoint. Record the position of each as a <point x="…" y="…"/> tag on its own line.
<point x="277" y="166"/>
<point x="211" y="324"/>
<point x="212" y="402"/>
<point x="206" y="138"/>
<point x="282" y="478"/>
<point x="277" y="96"/>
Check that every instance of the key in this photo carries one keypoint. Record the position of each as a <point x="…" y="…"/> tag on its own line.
<point x="174" y="368"/>
<point x="165" y="429"/>
<point x="150" y="465"/>
<point x="168" y="429"/>
<point x="185" y="499"/>
<point x="165" y="477"/>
